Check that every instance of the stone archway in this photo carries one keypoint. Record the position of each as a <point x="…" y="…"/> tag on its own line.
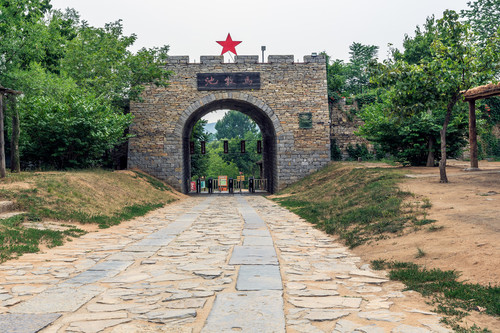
<point x="257" y="110"/>
<point x="287" y="99"/>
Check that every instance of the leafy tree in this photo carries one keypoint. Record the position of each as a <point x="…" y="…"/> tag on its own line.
<point x="484" y="18"/>
<point x="21" y="33"/>
<point x="234" y="124"/>
<point x="98" y="59"/>
<point x="358" y="77"/>
<point x="64" y="126"/>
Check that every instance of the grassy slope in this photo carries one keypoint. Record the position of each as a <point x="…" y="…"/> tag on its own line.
<point x="91" y="196"/>
<point x="360" y="204"/>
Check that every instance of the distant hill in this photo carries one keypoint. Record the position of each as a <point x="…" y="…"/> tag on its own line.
<point x="210" y="128"/>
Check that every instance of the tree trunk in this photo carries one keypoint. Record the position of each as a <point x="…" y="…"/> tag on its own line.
<point x="15" y="165"/>
<point x="430" y="154"/>
<point x="2" y="140"/>
<point x="442" y="164"/>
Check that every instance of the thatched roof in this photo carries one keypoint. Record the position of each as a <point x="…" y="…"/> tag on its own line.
<point x="485" y="91"/>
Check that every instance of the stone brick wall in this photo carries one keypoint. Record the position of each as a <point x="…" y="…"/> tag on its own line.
<point x="344" y="123"/>
<point x="162" y="122"/>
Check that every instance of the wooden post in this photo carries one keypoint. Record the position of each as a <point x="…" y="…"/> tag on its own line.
<point x="2" y="141"/>
<point x="473" y="135"/>
<point x="15" y="165"/>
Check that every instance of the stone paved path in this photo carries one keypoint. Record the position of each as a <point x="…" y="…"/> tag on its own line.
<point x="206" y="264"/>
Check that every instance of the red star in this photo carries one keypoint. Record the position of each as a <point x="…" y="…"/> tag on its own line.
<point x="228" y="45"/>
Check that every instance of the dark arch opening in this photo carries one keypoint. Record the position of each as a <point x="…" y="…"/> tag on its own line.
<point x="262" y="120"/>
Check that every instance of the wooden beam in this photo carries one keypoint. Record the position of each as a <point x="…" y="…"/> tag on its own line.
<point x="473" y="135"/>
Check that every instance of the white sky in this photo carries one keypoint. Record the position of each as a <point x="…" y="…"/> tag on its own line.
<point x="192" y="27"/>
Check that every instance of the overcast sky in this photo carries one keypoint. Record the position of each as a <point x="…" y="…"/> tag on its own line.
<point x="192" y="27"/>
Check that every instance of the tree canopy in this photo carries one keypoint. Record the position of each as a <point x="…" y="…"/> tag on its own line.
<point x="77" y="80"/>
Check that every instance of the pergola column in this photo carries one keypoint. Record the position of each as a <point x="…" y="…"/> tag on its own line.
<point x="473" y="135"/>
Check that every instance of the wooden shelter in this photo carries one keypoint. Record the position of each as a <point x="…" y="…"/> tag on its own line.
<point x="4" y="92"/>
<point x="471" y="96"/>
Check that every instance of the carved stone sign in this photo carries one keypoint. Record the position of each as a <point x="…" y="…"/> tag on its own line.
<point x="228" y="81"/>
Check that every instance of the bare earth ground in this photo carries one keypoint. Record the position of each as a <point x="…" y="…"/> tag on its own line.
<point x="468" y="209"/>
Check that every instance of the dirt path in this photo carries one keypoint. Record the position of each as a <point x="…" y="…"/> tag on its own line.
<point x="467" y="239"/>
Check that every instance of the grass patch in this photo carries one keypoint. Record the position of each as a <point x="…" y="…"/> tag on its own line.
<point x="88" y="196"/>
<point x="358" y="204"/>
<point x="16" y="239"/>
<point x="448" y="294"/>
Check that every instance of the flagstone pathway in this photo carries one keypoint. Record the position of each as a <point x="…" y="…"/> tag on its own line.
<point x="206" y="264"/>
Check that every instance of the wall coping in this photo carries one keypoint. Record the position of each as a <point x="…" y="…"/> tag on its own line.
<point x="246" y="59"/>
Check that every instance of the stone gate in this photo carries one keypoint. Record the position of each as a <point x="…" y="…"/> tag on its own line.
<point x="287" y="99"/>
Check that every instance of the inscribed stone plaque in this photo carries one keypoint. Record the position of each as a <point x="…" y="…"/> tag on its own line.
<point x="228" y="81"/>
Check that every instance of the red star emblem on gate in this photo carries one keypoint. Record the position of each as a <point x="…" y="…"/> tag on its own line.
<point x="228" y="45"/>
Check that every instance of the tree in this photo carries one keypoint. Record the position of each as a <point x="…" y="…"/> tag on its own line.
<point x="234" y="124"/>
<point x="99" y="61"/>
<point x="21" y="30"/>
<point x="358" y="77"/>
<point x="63" y="125"/>
<point x="483" y="17"/>
<point x="435" y="80"/>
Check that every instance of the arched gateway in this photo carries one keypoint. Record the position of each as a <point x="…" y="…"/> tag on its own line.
<point x="287" y="100"/>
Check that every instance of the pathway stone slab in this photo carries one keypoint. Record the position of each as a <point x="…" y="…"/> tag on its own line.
<point x="26" y="323"/>
<point x="57" y="300"/>
<point x="257" y="232"/>
<point x="253" y="255"/>
<point x="259" y="277"/>
<point x="253" y="311"/>
<point x="382" y="315"/>
<point x="257" y="241"/>
<point x="94" y="326"/>
<point x="326" y="302"/>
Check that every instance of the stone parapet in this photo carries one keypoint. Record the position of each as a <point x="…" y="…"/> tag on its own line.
<point x="247" y="59"/>
<point x="287" y="59"/>
<point x="178" y="60"/>
<point x="208" y="60"/>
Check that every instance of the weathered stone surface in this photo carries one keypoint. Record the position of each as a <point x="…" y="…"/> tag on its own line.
<point x="259" y="277"/>
<point x="382" y="315"/>
<point x="252" y="255"/>
<point x="326" y="315"/>
<point x="26" y="323"/>
<point x="165" y="316"/>
<point x="263" y="312"/>
<point x="409" y="329"/>
<point x="188" y="303"/>
<point x="58" y="300"/>
<point x="257" y="241"/>
<point x="93" y="316"/>
<point x="94" y="326"/>
<point x="209" y="274"/>
<point x="326" y="302"/>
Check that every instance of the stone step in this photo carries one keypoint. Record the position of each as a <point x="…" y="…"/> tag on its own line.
<point x="7" y="206"/>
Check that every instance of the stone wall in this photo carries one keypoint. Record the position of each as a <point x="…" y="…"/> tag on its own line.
<point x="164" y="119"/>
<point x="344" y="123"/>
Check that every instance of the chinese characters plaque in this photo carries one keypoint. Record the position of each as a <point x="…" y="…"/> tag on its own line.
<point x="228" y="81"/>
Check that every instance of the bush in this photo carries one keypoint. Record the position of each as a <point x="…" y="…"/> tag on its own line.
<point x="62" y="125"/>
<point x="359" y="151"/>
